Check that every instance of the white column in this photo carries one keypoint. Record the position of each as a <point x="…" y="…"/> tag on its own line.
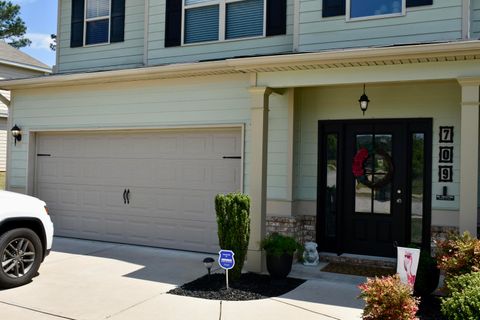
<point x="258" y="176"/>
<point x="469" y="155"/>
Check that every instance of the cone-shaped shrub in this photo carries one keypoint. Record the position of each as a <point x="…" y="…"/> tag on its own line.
<point x="233" y="219"/>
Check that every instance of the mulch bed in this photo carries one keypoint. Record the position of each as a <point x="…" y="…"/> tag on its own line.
<point x="250" y="286"/>
<point x="358" y="270"/>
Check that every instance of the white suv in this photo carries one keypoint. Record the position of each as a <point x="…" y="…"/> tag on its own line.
<point x="26" y="233"/>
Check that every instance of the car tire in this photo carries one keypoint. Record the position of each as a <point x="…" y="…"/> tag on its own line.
<point x="21" y="253"/>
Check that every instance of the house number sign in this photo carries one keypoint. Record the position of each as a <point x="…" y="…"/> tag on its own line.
<point x="445" y="160"/>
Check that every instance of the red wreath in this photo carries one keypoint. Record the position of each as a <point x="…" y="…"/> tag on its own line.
<point x="358" y="161"/>
<point x="359" y="171"/>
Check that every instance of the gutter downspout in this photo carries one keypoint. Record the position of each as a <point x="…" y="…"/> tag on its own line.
<point x="466" y="16"/>
<point x="145" y="33"/>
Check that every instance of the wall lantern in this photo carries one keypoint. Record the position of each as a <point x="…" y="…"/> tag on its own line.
<point x="363" y="101"/>
<point x="16" y="133"/>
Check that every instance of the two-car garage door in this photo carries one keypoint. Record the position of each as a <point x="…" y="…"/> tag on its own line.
<point x="153" y="188"/>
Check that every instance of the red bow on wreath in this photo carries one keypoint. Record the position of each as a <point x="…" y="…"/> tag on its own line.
<point x="358" y="161"/>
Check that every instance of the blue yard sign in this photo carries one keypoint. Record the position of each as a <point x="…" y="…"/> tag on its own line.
<point x="225" y="259"/>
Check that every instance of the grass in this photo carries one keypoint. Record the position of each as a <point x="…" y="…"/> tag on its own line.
<point x="2" y="180"/>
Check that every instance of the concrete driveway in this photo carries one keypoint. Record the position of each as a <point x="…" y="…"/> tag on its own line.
<point x="94" y="280"/>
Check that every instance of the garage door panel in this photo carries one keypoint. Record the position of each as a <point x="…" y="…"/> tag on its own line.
<point x="173" y="177"/>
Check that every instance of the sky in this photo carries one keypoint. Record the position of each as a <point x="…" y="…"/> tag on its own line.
<point x="40" y="16"/>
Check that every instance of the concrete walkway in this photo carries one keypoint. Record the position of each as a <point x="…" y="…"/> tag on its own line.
<point x="94" y="280"/>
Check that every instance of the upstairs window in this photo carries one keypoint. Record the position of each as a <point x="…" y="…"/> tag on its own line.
<point x="213" y="20"/>
<point x="361" y="9"/>
<point x="97" y="21"/>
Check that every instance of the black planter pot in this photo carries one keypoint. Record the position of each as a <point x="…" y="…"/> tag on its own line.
<point x="279" y="266"/>
<point x="428" y="276"/>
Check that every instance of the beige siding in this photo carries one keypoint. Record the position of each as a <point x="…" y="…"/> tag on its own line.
<point x="440" y="22"/>
<point x="125" y="54"/>
<point x="206" y="101"/>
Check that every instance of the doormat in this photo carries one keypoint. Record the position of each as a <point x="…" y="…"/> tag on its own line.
<point x="358" y="270"/>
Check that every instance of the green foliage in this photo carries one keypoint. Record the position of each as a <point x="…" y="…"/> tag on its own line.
<point x="12" y="27"/>
<point x="458" y="254"/>
<point x="463" y="303"/>
<point x="277" y="244"/>
<point x="233" y="219"/>
<point x="388" y="298"/>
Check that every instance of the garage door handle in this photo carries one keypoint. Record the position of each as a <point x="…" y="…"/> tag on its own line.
<point x="124" y="196"/>
<point x="128" y="196"/>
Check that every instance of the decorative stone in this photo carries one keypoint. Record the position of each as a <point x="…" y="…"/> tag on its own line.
<point x="310" y="255"/>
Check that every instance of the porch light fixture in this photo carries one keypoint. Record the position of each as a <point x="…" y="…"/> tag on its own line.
<point x="16" y="134"/>
<point x="208" y="263"/>
<point x="364" y="101"/>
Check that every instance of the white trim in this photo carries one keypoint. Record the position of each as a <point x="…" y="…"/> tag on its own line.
<point x="145" y="32"/>
<point x="87" y="20"/>
<point x="373" y="17"/>
<point x="466" y="16"/>
<point x="222" y="22"/>
<point x="464" y="49"/>
<point x="296" y="25"/>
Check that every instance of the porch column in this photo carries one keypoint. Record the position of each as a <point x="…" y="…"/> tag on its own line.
<point x="258" y="176"/>
<point x="469" y="155"/>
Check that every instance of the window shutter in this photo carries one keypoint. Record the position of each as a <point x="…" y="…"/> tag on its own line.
<point x="173" y="23"/>
<point x="332" y="8"/>
<point x="416" y="3"/>
<point x="117" y="30"/>
<point x="76" y="33"/>
<point x="276" y="17"/>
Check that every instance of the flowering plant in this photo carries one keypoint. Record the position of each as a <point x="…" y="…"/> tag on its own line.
<point x="388" y="298"/>
<point x="458" y="254"/>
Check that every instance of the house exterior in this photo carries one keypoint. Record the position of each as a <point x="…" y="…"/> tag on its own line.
<point x="156" y="106"/>
<point x="14" y="64"/>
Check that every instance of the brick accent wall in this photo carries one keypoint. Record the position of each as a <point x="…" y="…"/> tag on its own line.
<point x="302" y="228"/>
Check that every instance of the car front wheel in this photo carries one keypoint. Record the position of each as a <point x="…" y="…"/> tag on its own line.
<point x="21" y="255"/>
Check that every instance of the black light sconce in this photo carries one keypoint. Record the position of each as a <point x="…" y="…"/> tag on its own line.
<point x="16" y="133"/>
<point x="364" y="101"/>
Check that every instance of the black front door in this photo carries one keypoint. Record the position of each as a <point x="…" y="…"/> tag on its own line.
<point x="373" y="185"/>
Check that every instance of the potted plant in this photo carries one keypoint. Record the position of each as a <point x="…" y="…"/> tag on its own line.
<point x="279" y="250"/>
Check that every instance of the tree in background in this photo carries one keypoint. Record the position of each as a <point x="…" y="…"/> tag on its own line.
<point x="12" y="27"/>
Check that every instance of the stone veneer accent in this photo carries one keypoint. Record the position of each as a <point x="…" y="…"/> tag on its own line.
<point x="302" y="228"/>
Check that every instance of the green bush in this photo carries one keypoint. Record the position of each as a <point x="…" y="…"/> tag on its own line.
<point x="458" y="254"/>
<point x="276" y="244"/>
<point x="233" y="219"/>
<point x="388" y="298"/>
<point x="463" y="302"/>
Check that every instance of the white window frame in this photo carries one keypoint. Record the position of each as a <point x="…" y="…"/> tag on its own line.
<point x="372" y="17"/>
<point x="222" y="20"/>
<point x="86" y="20"/>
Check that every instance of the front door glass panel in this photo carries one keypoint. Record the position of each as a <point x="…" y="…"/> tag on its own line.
<point x="418" y="168"/>
<point x="377" y="169"/>
<point x="331" y="188"/>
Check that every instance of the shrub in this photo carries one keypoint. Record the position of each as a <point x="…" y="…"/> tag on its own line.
<point x="233" y="219"/>
<point x="388" y="298"/>
<point x="458" y="254"/>
<point x="277" y="244"/>
<point x="463" y="302"/>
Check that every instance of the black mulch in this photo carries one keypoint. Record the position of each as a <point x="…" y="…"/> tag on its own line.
<point x="250" y="286"/>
